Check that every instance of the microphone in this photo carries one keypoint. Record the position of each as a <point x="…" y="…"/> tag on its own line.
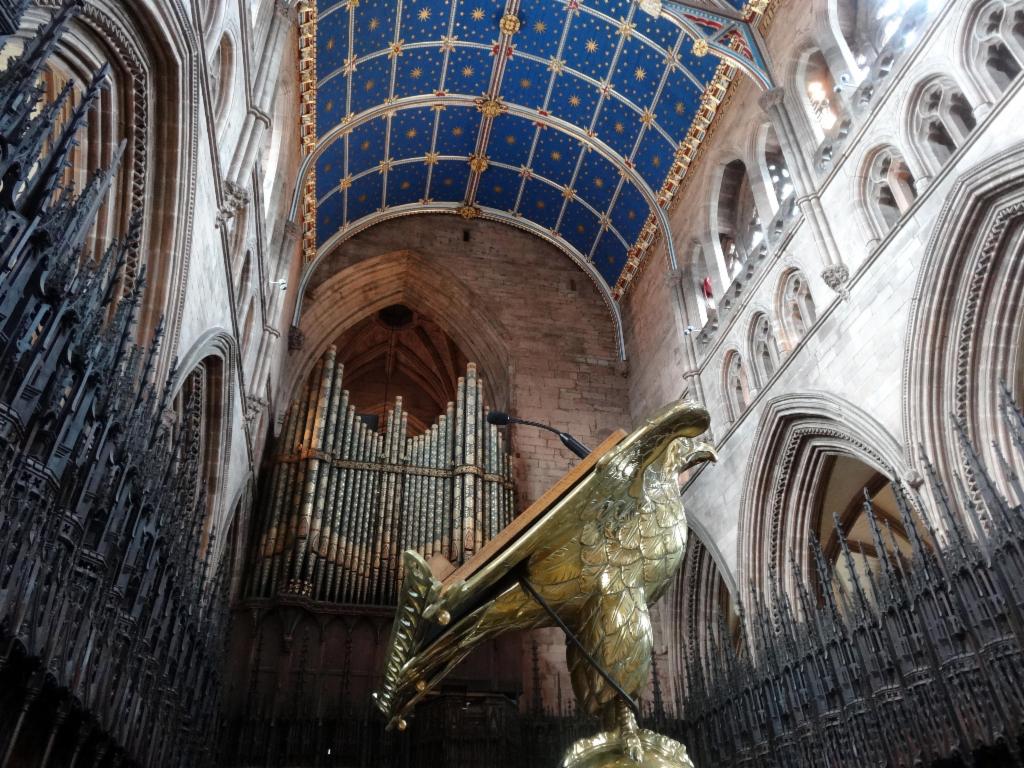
<point x="502" y="419"/>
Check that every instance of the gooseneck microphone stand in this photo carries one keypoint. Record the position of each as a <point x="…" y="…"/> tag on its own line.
<point x="502" y="419"/>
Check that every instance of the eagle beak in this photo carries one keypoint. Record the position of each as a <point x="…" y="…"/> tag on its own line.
<point x="700" y="453"/>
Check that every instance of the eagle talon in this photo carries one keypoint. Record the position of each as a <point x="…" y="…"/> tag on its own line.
<point x="633" y="747"/>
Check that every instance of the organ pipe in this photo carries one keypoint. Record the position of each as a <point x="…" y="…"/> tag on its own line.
<point x="343" y="501"/>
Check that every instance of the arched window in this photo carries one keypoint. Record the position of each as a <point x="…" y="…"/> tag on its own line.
<point x="739" y="227"/>
<point x="797" y="307"/>
<point x="941" y="119"/>
<point x="996" y="45"/>
<point x="222" y="70"/>
<point x="869" y="25"/>
<point x="889" y="189"/>
<point x="764" y="349"/>
<point x="819" y="91"/>
<point x="737" y="387"/>
<point x="775" y="165"/>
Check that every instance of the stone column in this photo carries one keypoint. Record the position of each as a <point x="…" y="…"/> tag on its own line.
<point x="835" y="274"/>
<point x="258" y="119"/>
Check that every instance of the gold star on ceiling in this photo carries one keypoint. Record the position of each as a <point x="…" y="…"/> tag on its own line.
<point x="498" y="189"/>
<point x="510" y="139"/>
<point x="477" y="14"/>
<point x="580" y="228"/>
<point x="540" y="27"/>
<point x="631" y="215"/>
<point x="620" y="128"/>
<point x="656" y="161"/>
<point x="574" y="100"/>
<point x="362" y="198"/>
<point x="330" y="44"/>
<point x="591" y="46"/>
<point x="599" y="182"/>
<point x="329" y="106"/>
<point x="640" y="73"/>
<point x="374" y="23"/>
<point x="467" y="71"/>
<point x="556" y="155"/>
<point x="328" y="167"/>
<point x="447" y="182"/>
<point x="369" y="85"/>
<point x="416" y="73"/>
<point x="365" y="145"/>
<point x="457" y="130"/>
<point x="540" y="203"/>
<point x="424" y="14"/>
<point x="525" y="83"/>
<point x="411" y="133"/>
<point x="680" y="108"/>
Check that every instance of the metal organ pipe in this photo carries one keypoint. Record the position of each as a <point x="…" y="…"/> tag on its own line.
<point x="343" y="501"/>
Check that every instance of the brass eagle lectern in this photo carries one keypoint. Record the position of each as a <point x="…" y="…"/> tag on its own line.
<point x="590" y="556"/>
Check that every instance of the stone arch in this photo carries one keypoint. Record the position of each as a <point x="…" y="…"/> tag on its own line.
<point x="887" y="189"/>
<point x="991" y="47"/>
<point x="409" y="278"/>
<point x="795" y="310"/>
<point x="736" y="385"/>
<point x="795" y="435"/>
<point x="215" y="355"/>
<point x="966" y="334"/>
<point x="737" y="230"/>
<point x="152" y="49"/>
<point x="813" y="82"/>
<point x="765" y="354"/>
<point x="700" y="605"/>
<point x="938" y="120"/>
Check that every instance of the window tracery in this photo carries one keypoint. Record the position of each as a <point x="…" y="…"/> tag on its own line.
<point x="797" y="307"/>
<point x="889" y="191"/>
<point x="942" y="119"/>
<point x="737" y="386"/>
<point x="764" y="349"/>
<point x="996" y="44"/>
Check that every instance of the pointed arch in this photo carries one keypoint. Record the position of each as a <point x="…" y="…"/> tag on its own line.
<point x="405" y="277"/>
<point x="966" y="334"/>
<point x="795" y="436"/>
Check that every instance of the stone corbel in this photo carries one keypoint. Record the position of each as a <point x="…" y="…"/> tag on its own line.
<point x="254" y="405"/>
<point x="235" y="199"/>
<point x="837" y="277"/>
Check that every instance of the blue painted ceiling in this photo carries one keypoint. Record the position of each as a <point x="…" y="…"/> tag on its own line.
<point x="623" y="77"/>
